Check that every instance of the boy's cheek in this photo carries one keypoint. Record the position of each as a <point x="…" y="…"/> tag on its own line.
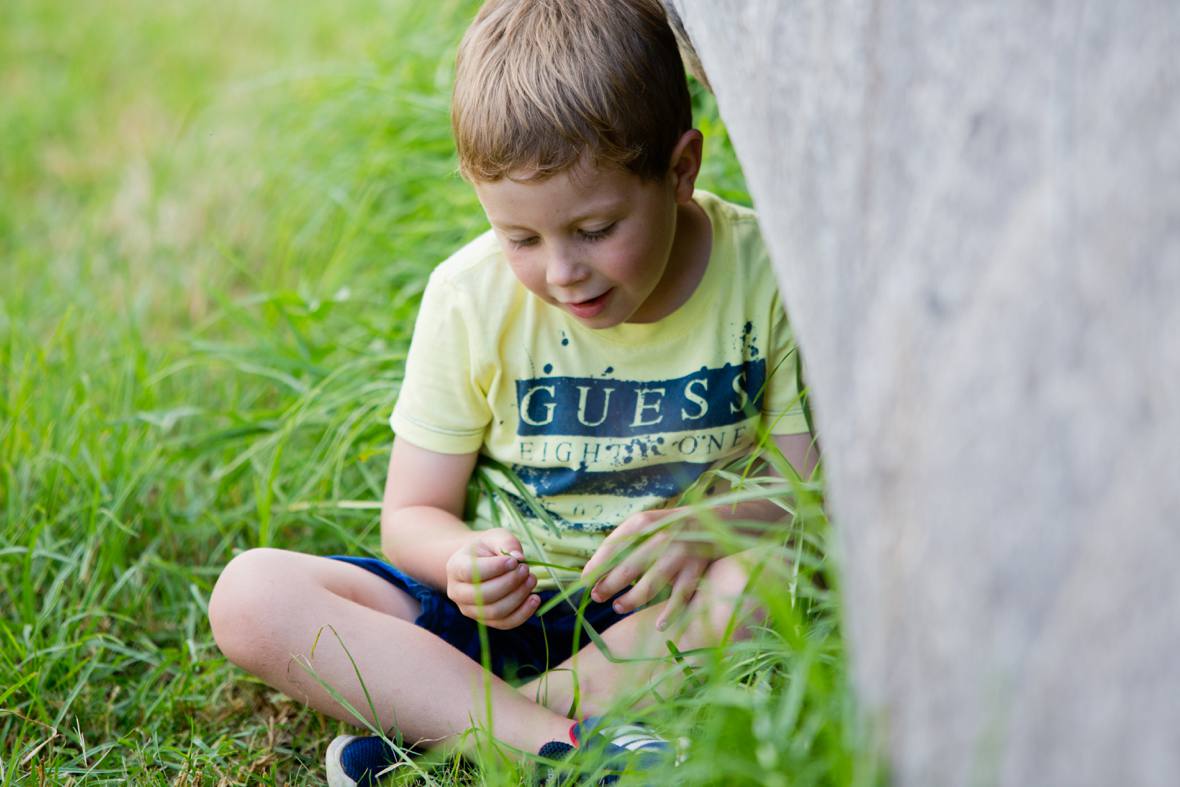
<point x="533" y="283"/>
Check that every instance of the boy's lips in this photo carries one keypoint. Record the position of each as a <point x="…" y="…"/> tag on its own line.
<point x="591" y="307"/>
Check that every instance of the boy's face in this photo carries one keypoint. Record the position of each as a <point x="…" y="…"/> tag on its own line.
<point x="593" y="242"/>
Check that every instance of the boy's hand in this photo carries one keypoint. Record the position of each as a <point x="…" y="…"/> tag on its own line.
<point x="489" y="581"/>
<point x="655" y="561"/>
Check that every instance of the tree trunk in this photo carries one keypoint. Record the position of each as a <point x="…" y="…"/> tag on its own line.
<point x="974" y="212"/>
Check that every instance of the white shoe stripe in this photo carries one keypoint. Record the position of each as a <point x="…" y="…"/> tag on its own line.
<point x="639" y="741"/>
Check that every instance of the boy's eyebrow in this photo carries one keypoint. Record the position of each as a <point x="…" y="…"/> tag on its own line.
<point x="595" y="213"/>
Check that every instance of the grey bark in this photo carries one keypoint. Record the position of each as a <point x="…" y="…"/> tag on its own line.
<point x="974" y="212"/>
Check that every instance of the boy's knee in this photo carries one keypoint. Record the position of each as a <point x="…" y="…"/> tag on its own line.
<point x="242" y="603"/>
<point x="728" y="577"/>
<point x="728" y="582"/>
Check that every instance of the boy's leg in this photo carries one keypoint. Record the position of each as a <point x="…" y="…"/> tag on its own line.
<point x="269" y="606"/>
<point x="703" y="624"/>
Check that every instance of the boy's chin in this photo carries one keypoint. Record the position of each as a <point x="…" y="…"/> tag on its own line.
<point x="598" y="323"/>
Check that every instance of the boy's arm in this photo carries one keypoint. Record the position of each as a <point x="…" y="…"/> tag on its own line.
<point x="421" y="514"/>
<point x="661" y="560"/>
<point x="802" y="452"/>
<point x="423" y="534"/>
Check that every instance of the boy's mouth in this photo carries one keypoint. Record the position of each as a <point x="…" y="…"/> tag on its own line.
<point x="590" y="307"/>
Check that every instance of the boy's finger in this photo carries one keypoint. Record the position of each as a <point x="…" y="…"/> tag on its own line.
<point x="502" y="542"/>
<point x="601" y="557"/>
<point x="613" y="582"/>
<point x="617" y="541"/>
<point x="484" y="568"/>
<point x="683" y="589"/>
<point x="504" y="607"/>
<point x="525" y="611"/>
<point x="488" y="591"/>
<point x="655" y="579"/>
<point x="631" y="568"/>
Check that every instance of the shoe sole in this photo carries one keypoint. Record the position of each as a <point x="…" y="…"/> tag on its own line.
<point x="336" y="775"/>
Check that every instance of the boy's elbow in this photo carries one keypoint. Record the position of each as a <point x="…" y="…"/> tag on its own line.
<point x="402" y="534"/>
<point x="390" y="537"/>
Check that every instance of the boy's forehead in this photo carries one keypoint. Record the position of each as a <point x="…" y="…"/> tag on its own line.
<point x="572" y="196"/>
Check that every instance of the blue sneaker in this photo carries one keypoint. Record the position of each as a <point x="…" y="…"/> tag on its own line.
<point x="599" y="754"/>
<point x="638" y="739"/>
<point x="359" y="761"/>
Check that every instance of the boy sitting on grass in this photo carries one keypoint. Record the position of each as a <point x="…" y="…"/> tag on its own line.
<point x="614" y="335"/>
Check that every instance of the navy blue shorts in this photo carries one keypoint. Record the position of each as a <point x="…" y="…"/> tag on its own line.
<point x="539" y="644"/>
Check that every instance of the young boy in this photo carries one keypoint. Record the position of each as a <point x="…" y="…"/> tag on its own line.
<point x="612" y="337"/>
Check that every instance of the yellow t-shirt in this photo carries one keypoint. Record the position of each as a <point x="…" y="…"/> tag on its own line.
<point x="596" y="424"/>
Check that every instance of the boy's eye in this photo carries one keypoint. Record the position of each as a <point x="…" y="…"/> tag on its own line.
<point x="521" y="243"/>
<point x="599" y="234"/>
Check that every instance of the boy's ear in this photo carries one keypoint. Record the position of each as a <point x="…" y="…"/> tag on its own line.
<point x="686" y="164"/>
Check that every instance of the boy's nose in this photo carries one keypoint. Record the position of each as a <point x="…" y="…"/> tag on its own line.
<point x="563" y="271"/>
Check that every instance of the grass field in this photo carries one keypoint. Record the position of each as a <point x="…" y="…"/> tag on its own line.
<point x="215" y="222"/>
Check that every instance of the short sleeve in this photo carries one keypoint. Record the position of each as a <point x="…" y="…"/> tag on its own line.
<point x="441" y="406"/>
<point x="782" y="402"/>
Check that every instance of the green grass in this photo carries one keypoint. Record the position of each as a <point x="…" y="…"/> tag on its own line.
<point x="215" y="220"/>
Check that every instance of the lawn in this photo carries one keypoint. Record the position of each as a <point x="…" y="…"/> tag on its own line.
<point x="215" y="222"/>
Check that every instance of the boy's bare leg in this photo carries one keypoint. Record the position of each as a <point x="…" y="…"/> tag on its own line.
<point x="702" y="625"/>
<point x="270" y="605"/>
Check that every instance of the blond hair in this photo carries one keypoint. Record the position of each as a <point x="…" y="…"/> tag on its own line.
<point x="541" y="83"/>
